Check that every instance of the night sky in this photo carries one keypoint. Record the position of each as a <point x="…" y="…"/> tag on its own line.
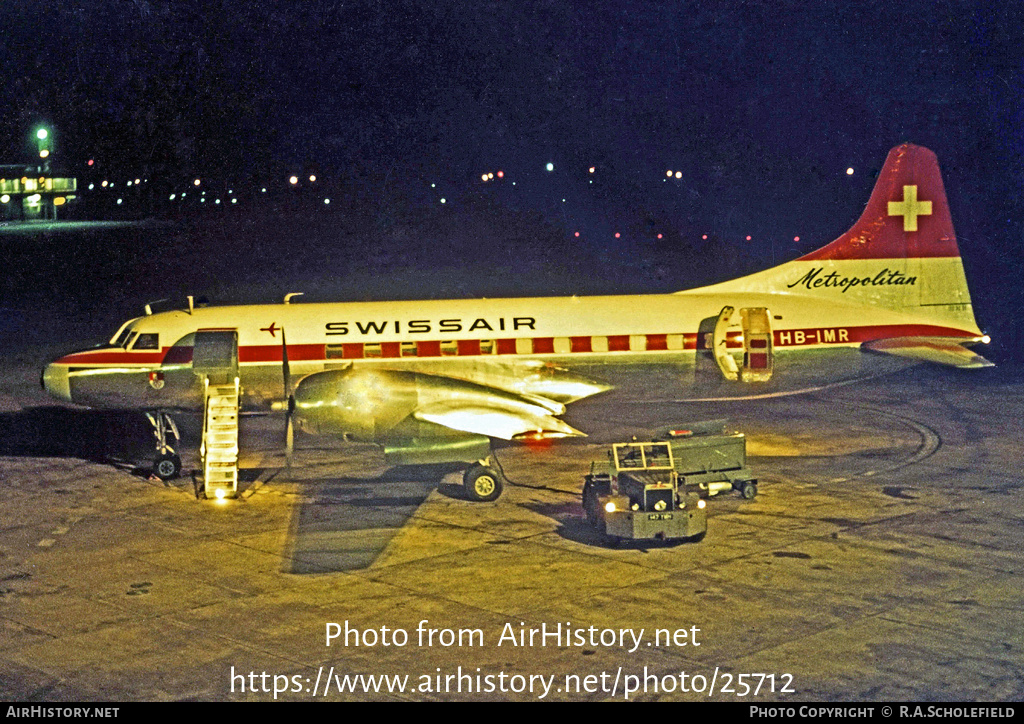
<point x="761" y="105"/>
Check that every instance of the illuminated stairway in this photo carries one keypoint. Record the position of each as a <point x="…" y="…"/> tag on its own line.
<point x="219" y="448"/>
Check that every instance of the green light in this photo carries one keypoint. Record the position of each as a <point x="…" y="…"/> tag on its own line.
<point x="41" y="134"/>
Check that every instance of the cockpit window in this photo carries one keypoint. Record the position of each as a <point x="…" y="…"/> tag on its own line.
<point x="147" y="341"/>
<point x="122" y="339"/>
<point x="128" y="340"/>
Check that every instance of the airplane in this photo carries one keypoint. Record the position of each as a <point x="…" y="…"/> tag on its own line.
<point x="439" y="381"/>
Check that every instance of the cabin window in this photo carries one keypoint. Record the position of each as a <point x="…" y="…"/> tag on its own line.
<point x="147" y="341"/>
<point x="128" y="340"/>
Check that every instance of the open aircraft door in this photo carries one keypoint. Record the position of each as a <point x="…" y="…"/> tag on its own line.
<point x="758" y="350"/>
<point x="754" y="332"/>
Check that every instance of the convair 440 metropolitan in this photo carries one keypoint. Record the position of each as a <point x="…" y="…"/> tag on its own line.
<point x="438" y="381"/>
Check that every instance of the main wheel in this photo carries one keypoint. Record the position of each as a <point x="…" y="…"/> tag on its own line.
<point x="167" y="466"/>
<point x="748" y="489"/>
<point x="482" y="484"/>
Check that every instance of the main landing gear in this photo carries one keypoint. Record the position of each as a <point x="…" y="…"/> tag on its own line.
<point x="167" y="464"/>
<point x="482" y="483"/>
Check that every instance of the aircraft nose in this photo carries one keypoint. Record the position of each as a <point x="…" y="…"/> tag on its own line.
<point x="55" y="382"/>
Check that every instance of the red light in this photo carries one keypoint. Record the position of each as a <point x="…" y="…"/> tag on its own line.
<point x="748" y="238"/>
<point x="659" y="236"/>
<point x="796" y="238"/>
<point x="90" y="162"/>
<point x="577" y="234"/>
<point x="617" y="235"/>
<point x="501" y="174"/>
<point x="704" y="237"/>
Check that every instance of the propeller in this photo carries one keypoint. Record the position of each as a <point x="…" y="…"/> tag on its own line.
<point x="289" y="396"/>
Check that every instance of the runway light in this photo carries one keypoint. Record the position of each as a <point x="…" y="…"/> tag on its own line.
<point x="796" y="238"/>
<point x="849" y="171"/>
<point x="659" y="236"/>
<point x="679" y="174"/>
<point x="669" y="173"/>
<point x="312" y="179"/>
<point x="483" y="177"/>
<point x="293" y="180"/>
<point x="705" y="237"/>
<point x="617" y="235"/>
<point x="327" y="201"/>
<point x="550" y="166"/>
<point x="748" y="237"/>
<point x="196" y="182"/>
<point x="501" y="174"/>
<point x="444" y="200"/>
<point x="577" y="234"/>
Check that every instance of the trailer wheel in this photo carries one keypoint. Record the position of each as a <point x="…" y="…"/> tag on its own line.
<point x="748" y="489"/>
<point x="482" y="484"/>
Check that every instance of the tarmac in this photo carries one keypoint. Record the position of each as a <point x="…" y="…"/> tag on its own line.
<point x="880" y="561"/>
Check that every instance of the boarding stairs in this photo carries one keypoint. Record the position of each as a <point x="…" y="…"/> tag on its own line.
<point x="219" y="448"/>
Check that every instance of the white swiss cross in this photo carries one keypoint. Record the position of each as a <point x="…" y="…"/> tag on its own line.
<point x="910" y="208"/>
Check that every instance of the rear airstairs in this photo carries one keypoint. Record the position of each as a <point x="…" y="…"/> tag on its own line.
<point x="219" y="448"/>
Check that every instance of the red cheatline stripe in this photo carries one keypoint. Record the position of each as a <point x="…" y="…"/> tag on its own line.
<point x="539" y="345"/>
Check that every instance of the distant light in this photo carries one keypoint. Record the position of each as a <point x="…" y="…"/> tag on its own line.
<point x="312" y="179"/>
<point x="444" y="200"/>
<point x="591" y="169"/>
<point x="234" y="201"/>
<point x="501" y="174"/>
<point x="92" y="186"/>
<point x="679" y="174"/>
<point x="119" y="201"/>
<point x="44" y="153"/>
<point x="104" y="184"/>
<point x="490" y="176"/>
<point x="796" y="238"/>
<point x="41" y="134"/>
<point x="617" y="235"/>
<point x="659" y="236"/>
<point x="217" y="201"/>
<point x="137" y="182"/>
<point x="550" y="166"/>
<point x="577" y="233"/>
<point x="669" y="173"/>
<point x="196" y="182"/>
<point x="90" y="162"/>
<point x="748" y="237"/>
<point x="4" y="199"/>
<point x="704" y="237"/>
<point x="327" y="201"/>
<point x="172" y="197"/>
<point x="59" y="201"/>
<point x="293" y="180"/>
<point x="849" y="171"/>
<point x="483" y="177"/>
<point x="433" y="186"/>
<point x="128" y="183"/>
<point x="263" y="190"/>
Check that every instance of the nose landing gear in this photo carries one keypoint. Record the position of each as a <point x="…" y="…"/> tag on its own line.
<point x="167" y="464"/>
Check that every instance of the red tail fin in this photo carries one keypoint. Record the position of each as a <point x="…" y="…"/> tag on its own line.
<point x="907" y="216"/>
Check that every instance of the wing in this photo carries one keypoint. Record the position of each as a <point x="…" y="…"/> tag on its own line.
<point x="942" y="350"/>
